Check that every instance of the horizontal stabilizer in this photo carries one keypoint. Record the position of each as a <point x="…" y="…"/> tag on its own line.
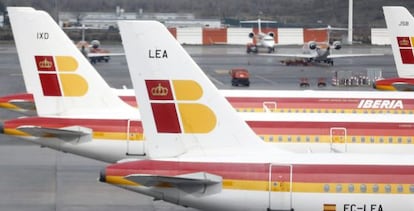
<point x="23" y="104"/>
<point x="72" y="133"/>
<point x="199" y="182"/>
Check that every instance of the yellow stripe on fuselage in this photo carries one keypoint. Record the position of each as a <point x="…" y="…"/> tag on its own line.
<point x="96" y="135"/>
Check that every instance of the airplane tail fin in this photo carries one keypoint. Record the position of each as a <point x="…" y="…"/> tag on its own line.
<point x="400" y="24"/>
<point x="180" y="107"/>
<point x="62" y="80"/>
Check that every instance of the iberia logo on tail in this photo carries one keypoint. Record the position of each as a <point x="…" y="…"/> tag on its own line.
<point x="175" y="109"/>
<point x="406" y="49"/>
<point x="58" y="78"/>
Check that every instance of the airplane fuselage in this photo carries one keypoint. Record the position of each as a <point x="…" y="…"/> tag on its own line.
<point x="275" y="186"/>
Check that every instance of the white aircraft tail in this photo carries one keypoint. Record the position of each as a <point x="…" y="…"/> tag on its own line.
<point x="400" y="24"/>
<point x="180" y="108"/>
<point x="62" y="80"/>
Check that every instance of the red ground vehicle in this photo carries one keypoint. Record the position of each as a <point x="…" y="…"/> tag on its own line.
<point x="239" y="76"/>
<point x="251" y="48"/>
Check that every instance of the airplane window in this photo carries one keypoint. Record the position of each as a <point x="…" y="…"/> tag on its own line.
<point x="289" y="138"/>
<point x="390" y="139"/>
<point x="412" y="188"/>
<point x="375" y="188"/>
<point x="387" y="188"/>
<point x="334" y="111"/>
<point x="338" y="188"/>
<point x="326" y="188"/>
<point x="353" y="139"/>
<point x="271" y="138"/>
<point x="289" y="111"/>
<point x="280" y="139"/>
<point x="351" y="188"/>
<point x="311" y="110"/>
<point x="317" y="139"/>
<point x="307" y="139"/>
<point x="353" y="111"/>
<point x="382" y="139"/>
<point x="400" y="188"/>
<point x="319" y="110"/>
<point x="409" y="140"/>
<point x="342" y="111"/>
<point x="363" y="188"/>
<point x="372" y="139"/>
<point x="362" y="139"/>
<point x="399" y="140"/>
<point x="262" y="137"/>
<point x="298" y="139"/>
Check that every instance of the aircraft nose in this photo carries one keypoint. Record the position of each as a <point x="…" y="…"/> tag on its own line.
<point x="102" y="175"/>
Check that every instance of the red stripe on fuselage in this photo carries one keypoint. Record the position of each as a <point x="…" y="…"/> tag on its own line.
<point x="317" y="128"/>
<point x="314" y="173"/>
<point x="20" y="96"/>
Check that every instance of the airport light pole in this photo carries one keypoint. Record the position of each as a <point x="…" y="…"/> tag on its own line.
<point x="350" y="23"/>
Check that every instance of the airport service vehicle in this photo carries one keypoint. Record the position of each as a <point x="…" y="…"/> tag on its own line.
<point x="215" y="162"/>
<point x="239" y="76"/>
<point x="400" y="24"/>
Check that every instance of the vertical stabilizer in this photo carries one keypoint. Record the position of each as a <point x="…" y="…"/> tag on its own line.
<point x="400" y="24"/>
<point x="180" y="108"/>
<point x="62" y="80"/>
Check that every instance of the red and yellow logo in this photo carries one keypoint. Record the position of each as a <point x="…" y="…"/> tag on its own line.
<point x="406" y="49"/>
<point x="58" y="78"/>
<point x="175" y="109"/>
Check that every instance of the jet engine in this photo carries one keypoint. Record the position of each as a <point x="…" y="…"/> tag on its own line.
<point x="251" y="34"/>
<point x="271" y="34"/>
<point x="337" y="45"/>
<point x="95" y="43"/>
<point x="312" y="45"/>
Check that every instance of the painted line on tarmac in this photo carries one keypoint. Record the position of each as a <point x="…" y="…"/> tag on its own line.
<point x="222" y="72"/>
<point x="265" y="79"/>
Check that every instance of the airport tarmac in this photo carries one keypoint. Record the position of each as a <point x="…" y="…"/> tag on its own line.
<point x="34" y="178"/>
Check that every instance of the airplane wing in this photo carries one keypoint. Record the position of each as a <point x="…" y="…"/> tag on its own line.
<point x="105" y="54"/>
<point x="190" y="183"/>
<point x="304" y="56"/>
<point x="332" y="56"/>
<point x="72" y="133"/>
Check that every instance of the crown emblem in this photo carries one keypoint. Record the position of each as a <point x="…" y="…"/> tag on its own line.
<point x="404" y="42"/>
<point x="45" y="64"/>
<point x="159" y="90"/>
